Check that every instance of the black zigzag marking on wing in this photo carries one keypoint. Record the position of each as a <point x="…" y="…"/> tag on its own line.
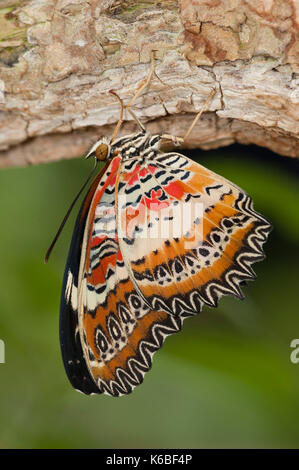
<point x="251" y="251"/>
<point x="252" y="245"/>
<point x="137" y="366"/>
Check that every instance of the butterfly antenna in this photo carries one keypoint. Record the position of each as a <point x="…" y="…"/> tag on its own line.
<point x="49" y="251"/>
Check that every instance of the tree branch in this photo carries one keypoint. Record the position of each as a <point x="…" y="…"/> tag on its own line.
<point x="59" y="59"/>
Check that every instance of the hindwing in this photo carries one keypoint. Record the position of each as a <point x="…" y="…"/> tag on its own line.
<point x="189" y="235"/>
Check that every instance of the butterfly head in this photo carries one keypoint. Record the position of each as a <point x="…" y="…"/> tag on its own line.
<point x="100" y="150"/>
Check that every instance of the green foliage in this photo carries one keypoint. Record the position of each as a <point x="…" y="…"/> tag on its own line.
<point x="225" y="381"/>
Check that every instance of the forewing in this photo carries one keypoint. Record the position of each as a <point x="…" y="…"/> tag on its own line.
<point x="70" y="342"/>
<point x="188" y="234"/>
<point x="119" y="333"/>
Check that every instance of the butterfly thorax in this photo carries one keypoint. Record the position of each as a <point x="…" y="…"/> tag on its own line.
<point x="142" y="145"/>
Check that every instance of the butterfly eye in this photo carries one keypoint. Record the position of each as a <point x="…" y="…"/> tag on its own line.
<point x="102" y="152"/>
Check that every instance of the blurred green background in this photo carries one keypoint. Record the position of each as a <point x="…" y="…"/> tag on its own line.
<point x="225" y="381"/>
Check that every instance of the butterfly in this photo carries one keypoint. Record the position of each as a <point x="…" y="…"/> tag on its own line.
<point x="157" y="237"/>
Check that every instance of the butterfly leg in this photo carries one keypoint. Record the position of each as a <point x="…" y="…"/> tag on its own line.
<point x="204" y="107"/>
<point x="177" y="140"/>
<point x="143" y="84"/>
<point x="121" y="115"/>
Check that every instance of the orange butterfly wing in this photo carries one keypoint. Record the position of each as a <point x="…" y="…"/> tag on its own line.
<point x="144" y="266"/>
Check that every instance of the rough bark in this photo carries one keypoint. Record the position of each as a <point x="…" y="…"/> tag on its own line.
<point x="59" y="59"/>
